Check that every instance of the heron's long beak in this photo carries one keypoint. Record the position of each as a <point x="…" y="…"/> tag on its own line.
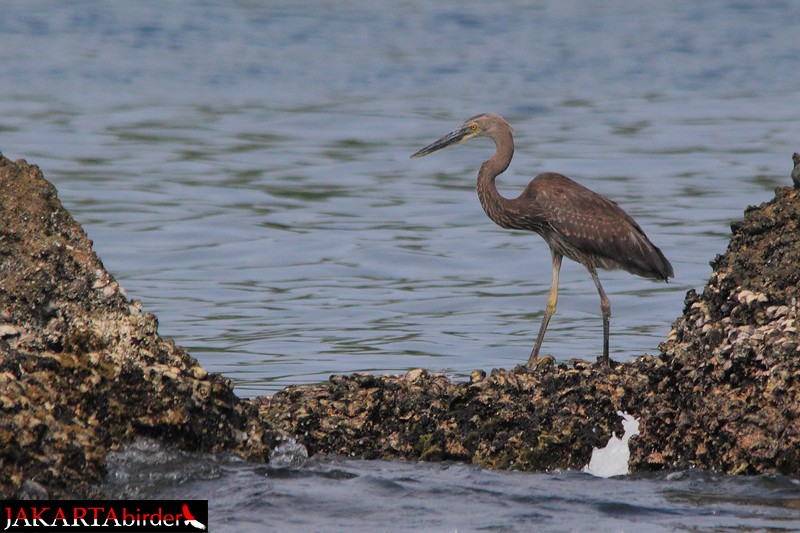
<point x="454" y="137"/>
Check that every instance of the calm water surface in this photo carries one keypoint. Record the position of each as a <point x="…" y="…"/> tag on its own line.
<point x="243" y="170"/>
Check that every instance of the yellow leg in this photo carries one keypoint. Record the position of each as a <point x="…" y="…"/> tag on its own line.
<point x="552" y="300"/>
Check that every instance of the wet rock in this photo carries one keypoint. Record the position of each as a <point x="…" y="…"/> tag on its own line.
<point x="82" y="368"/>
<point x="733" y="357"/>
<point x="549" y="419"/>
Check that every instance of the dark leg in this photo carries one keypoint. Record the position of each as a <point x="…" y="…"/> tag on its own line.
<point x="550" y="309"/>
<point x="605" y="308"/>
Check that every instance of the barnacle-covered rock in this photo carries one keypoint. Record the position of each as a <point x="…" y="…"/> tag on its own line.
<point x="82" y="368"/>
<point x="734" y="355"/>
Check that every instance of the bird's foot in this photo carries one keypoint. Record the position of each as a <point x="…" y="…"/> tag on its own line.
<point x="577" y="362"/>
<point x="604" y="361"/>
<point x="541" y="362"/>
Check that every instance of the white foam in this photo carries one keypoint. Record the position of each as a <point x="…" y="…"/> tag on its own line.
<point x="612" y="460"/>
<point x="290" y="453"/>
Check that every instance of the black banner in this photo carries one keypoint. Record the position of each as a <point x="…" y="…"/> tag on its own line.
<point x="152" y="516"/>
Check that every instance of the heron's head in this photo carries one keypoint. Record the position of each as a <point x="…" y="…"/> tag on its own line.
<point x="483" y="125"/>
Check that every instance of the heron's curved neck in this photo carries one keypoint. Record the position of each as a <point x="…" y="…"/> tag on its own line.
<point x="497" y="207"/>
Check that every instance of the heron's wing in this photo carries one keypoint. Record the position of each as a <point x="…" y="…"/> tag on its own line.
<point x="589" y="226"/>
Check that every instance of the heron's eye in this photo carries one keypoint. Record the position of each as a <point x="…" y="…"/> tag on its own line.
<point x="473" y="126"/>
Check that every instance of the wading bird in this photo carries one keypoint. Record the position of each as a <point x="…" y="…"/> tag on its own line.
<point x="576" y="222"/>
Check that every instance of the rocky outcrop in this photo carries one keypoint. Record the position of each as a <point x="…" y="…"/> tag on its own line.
<point x="730" y="399"/>
<point x="83" y="370"/>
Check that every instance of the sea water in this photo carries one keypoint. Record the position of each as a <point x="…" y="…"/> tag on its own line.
<point x="243" y="169"/>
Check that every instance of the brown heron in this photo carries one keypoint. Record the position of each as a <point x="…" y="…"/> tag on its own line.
<point x="576" y="222"/>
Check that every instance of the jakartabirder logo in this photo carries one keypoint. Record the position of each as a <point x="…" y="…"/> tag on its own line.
<point x="105" y="515"/>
